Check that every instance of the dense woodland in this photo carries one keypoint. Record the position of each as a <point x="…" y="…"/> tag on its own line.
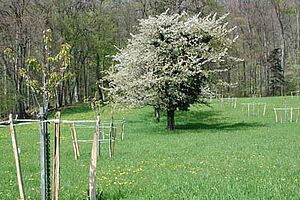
<point x="269" y="44"/>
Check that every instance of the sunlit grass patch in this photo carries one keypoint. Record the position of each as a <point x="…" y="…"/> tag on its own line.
<point x="215" y="153"/>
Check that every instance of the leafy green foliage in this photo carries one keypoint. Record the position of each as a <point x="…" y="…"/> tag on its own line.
<point x="44" y="77"/>
<point x="92" y="32"/>
<point x="9" y="53"/>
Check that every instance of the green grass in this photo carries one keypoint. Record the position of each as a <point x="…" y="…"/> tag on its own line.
<point x="215" y="153"/>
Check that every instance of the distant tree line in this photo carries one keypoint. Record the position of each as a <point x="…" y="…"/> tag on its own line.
<point x="269" y="44"/>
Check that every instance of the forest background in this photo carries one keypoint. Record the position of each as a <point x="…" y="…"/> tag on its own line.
<point x="269" y="44"/>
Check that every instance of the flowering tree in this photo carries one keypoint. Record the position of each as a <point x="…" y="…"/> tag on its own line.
<point x="170" y="61"/>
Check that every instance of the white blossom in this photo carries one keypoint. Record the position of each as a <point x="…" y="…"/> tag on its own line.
<point x="169" y="61"/>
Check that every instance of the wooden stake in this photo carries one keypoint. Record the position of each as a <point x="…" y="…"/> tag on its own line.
<point x="235" y="100"/>
<point x="122" y="129"/>
<point x="276" y="118"/>
<point x="114" y="140"/>
<point x="291" y="120"/>
<point x="298" y="115"/>
<point x="99" y="134"/>
<point x="17" y="159"/>
<point x="56" y="158"/>
<point x="264" y="113"/>
<point x="110" y="146"/>
<point x="110" y="142"/>
<point x="74" y="141"/>
<point x="248" y="109"/>
<point x="285" y="114"/>
<point x="93" y="164"/>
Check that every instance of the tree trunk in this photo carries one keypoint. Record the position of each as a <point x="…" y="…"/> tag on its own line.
<point x="297" y="6"/>
<point x="157" y="113"/>
<point x="279" y="15"/>
<point x="283" y="58"/>
<point x="266" y="53"/>
<point x="171" y="119"/>
<point x="70" y="91"/>
<point x="99" y="76"/>
<point x="4" y="79"/>
<point x="298" y="31"/>
<point x="228" y="81"/>
<point x="20" y="109"/>
<point x="76" y="91"/>
<point x="59" y="95"/>
<point x="65" y="93"/>
<point x="260" y="77"/>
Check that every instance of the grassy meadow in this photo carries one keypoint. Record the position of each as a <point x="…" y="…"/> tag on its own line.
<point x="214" y="153"/>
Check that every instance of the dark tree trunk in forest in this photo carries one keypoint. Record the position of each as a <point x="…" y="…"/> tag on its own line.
<point x="228" y="81"/>
<point x="260" y="79"/>
<point x="99" y="77"/>
<point x="70" y="91"/>
<point x="244" y="79"/>
<point x="59" y="96"/>
<point x="4" y="78"/>
<point x="65" y="93"/>
<point x="298" y="28"/>
<point x="18" y="9"/>
<point x="171" y="119"/>
<point x="20" y="108"/>
<point x="280" y="17"/>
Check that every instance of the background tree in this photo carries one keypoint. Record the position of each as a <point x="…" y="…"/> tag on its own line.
<point x="94" y="27"/>
<point x="280" y="7"/>
<point x="167" y="64"/>
<point x="44" y="77"/>
<point x="277" y="76"/>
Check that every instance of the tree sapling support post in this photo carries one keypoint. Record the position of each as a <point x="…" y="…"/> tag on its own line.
<point x="111" y="136"/>
<point x="99" y="134"/>
<point x="122" y="129"/>
<point x="74" y="141"/>
<point x="56" y="157"/>
<point x="17" y="158"/>
<point x="44" y="156"/>
<point x="93" y="165"/>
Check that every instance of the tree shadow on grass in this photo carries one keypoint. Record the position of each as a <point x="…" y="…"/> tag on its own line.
<point x="201" y="115"/>
<point x="211" y="120"/>
<point x="218" y="126"/>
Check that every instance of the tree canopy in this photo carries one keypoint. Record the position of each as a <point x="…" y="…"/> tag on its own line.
<point x="93" y="28"/>
<point x="169" y="61"/>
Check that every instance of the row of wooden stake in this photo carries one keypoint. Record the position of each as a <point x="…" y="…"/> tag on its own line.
<point x="256" y="108"/>
<point x="286" y="114"/>
<point x="231" y="101"/>
<point x="98" y="138"/>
